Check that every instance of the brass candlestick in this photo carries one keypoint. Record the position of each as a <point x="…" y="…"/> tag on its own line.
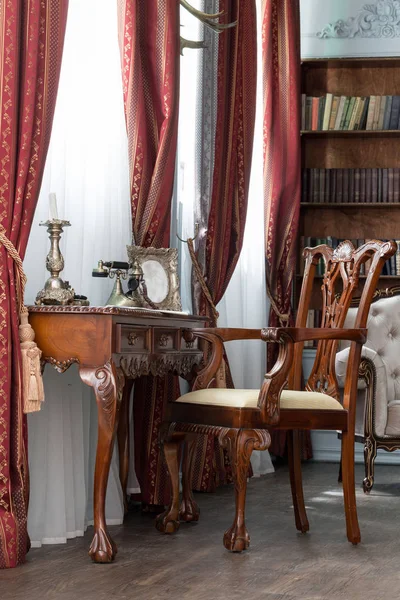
<point x="55" y="291"/>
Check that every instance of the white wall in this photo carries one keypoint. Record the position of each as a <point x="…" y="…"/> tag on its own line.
<point x="349" y="28"/>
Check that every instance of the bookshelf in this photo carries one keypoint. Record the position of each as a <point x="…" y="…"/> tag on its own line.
<point x="358" y="151"/>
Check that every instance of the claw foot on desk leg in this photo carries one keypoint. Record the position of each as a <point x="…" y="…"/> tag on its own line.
<point x="189" y="510"/>
<point x="168" y="522"/>
<point x="102" y="549"/>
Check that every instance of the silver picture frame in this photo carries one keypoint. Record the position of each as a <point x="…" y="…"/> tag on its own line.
<point x="160" y="273"/>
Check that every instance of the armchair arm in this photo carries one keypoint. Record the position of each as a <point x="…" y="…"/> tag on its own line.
<point x="375" y="384"/>
<point x="276" y="379"/>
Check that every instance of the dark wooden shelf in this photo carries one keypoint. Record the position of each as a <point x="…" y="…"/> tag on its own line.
<point x="360" y="277"/>
<point x="351" y="62"/>
<point x="378" y="133"/>
<point x="352" y="205"/>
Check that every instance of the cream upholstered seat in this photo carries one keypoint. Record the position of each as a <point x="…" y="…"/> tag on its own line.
<point x="248" y="399"/>
<point x="378" y="403"/>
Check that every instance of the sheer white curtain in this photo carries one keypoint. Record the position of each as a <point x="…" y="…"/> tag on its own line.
<point x="245" y="303"/>
<point x="87" y="167"/>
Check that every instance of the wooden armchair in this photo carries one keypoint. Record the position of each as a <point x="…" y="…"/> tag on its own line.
<point x="243" y="419"/>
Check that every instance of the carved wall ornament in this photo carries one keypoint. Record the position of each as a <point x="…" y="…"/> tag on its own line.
<point x="379" y="19"/>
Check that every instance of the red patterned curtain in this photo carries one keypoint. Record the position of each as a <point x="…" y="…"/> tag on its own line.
<point x="281" y="80"/>
<point x="222" y="206"/>
<point x="150" y="45"/>
<point x="31" y="42"/>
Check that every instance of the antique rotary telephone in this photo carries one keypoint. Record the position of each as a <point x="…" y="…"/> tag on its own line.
<point x="136" y="296"/>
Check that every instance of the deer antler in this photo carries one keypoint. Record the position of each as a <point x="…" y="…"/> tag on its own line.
<point x="191" y="44"/>
<point x="207" y="19"/>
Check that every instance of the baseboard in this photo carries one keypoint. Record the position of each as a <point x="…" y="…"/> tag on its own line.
<point x="326" y="448"/>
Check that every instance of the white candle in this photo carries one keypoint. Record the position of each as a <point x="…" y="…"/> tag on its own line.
<point x="53" y="214"/>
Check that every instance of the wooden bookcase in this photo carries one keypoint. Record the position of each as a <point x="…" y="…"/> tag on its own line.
<point x="349" y="150"/>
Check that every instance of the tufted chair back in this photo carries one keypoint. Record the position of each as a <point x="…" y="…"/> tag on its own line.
<point x="383" y="348"/>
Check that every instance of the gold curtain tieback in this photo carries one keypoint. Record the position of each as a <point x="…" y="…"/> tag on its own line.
<point x="32" y="381"/>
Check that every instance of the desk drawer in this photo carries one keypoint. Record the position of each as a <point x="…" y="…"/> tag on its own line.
<point x="133" y="339"/>
<point x="165" y="339"/>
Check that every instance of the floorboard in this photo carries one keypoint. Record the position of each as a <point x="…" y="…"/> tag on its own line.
<point x="281" y="564"/>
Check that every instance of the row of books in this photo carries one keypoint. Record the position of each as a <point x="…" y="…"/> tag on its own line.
<point x="350" y="185"/>
<point x="391" y="267"/>
<point x="350" y="113"/>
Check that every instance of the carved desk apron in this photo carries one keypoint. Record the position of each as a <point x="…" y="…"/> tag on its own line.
<point x="112" y="345"/>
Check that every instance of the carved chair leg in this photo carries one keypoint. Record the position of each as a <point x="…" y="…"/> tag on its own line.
<point x="108" y="383"/>
<point x="369" y="463"/>
<point x="189" y="510"/>
<point x="168" y="521"/>
<point x="240" y="444"/>
<point x="123" y="440"/>
<point x="349" y="489"/>
<point x="296" y="483"/>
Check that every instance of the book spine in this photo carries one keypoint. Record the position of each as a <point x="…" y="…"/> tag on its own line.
<point x="394" y="114"/>
<point x="335" y="106"/>
<point x="333" y="174"/>
<point x="327" y="185"/>
<point x="339" y="185"/>
<point x="357" y="185"/>
<point x="353" y="117"/>
<point x="371" y="111"/>
<point x="385" y="185"/>
<point x="327" y="112"/>
<point x="339" y="115"/>
<point x="345" y="111"/>
<point x="349" y="113"/>
<point x="359" y="114"/>
<point x="381" y="112"/>
<point x="388" y="110"/>
<point x="396" y="186"/>
<point x="363" y="197"/>
<point x="321" y="110"/>
<point x="345" y="193"/>
<point x="368" y="185"/>
<point x="316" y="185"/>
<point x="309" y="102"/>
<point x="303" y="112"/>
<point x="363" y="121"/>
<point x="322" y="185"/>
<point x="376" y="113"/>
<point x="390" y="185"/>
<point x="351" y="185"/>
<point x="374" y="185"/>
<point x="314" y="114"/>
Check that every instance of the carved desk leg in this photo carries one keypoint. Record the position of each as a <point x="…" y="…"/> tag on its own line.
<point x="108" y="383"/>
<point x="123" y="439"/>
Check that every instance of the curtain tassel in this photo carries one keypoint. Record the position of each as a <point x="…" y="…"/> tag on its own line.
<point x="32" y="382"/>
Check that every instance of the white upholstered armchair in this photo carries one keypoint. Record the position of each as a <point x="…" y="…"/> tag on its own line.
<point x="378" y="407"/>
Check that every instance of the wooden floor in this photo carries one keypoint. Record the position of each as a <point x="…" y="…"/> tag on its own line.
<point x="280" y="564"/>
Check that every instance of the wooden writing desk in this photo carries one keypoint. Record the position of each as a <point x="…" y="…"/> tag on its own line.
<point x="113" y="345"/>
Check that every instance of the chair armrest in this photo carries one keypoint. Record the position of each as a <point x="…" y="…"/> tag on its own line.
<point x="276" y="379"/>
<point x="273" y="334"/>
<point x="374" y="380"/>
